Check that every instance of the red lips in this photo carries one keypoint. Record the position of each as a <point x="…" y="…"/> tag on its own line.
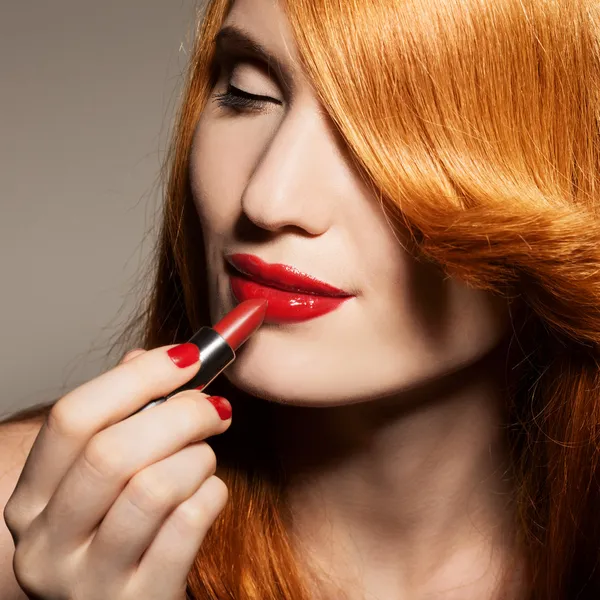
<point x="292" y="296"/>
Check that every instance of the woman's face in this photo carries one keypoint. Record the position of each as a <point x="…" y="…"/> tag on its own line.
<point x="276" y="182"/>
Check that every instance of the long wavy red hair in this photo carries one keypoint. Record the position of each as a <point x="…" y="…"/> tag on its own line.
<point x="477" y="124"/>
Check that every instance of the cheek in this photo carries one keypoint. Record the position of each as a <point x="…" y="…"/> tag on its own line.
<point x="216" y="178"/>
<point x="425" y="318"/>
<point x="446" y="317"/>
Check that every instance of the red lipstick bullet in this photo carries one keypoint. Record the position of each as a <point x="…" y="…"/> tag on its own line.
<point x="240" y="323"/>
<point x="218" y="344"/>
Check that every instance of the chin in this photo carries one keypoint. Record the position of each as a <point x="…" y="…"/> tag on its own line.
<point x="294" y="374"/>
<point x="300" y="378"/>
<point x="286" y="382"/>
<point x="282" y="387"/>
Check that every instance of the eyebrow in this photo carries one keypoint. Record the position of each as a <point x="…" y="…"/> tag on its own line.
<point x="232" y="40"/>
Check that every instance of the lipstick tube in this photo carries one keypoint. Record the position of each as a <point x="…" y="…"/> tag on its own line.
<point x="217" y="345"/>
<point x="215" y="355"/>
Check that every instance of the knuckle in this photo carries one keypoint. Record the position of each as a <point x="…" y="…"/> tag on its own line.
<point x="19" y="514"/>
<point x="11" y="515"/>
<point x="210" y="458"/>
<point x="220" y="490"/>
<point x="191" y="516"/>
<point x="148" y="492"/>
<point x="198" y="457"/>
<point x="131" y="354"/>
<point x="26" y="571"/>
<point x="63" y="421"/>
<point x="199" y="511"/>
<point x="201" y="453"/>
<point x="102" y="458"/>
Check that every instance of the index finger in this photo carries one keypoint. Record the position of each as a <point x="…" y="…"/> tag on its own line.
<point x="90" y="408"/>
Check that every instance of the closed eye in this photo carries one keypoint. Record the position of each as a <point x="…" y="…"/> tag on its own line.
<point x="242" y="101"/>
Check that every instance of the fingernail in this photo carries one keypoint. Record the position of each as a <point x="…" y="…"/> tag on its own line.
<point x="222" y="405"/>
<point x="184" y="355"/>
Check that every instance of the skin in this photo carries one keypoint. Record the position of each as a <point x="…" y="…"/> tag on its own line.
<point x="390" y="408"/>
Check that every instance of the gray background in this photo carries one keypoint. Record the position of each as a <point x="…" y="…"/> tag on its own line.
<point x="88" y="92"/>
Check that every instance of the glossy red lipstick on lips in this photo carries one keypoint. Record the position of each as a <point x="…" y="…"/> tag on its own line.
<point x="293" y="296"/>
<point x="218" y="344"/>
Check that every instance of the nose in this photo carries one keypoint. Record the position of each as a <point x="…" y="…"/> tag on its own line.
<point x="294" y="180"/>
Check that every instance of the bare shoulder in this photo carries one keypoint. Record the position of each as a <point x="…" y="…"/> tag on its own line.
<point x="16" y="440"/>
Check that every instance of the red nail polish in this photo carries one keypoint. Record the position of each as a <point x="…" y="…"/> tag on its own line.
<point x="222" y="405"/>
<point x="184" y="355"/>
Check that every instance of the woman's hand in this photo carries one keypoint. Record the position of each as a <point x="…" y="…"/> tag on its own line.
<point x="112" y="504"/>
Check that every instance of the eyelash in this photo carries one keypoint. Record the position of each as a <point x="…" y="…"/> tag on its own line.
<point x="242" y="101"/>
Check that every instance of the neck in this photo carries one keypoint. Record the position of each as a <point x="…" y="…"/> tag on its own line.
<point x="410" y="492"/>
